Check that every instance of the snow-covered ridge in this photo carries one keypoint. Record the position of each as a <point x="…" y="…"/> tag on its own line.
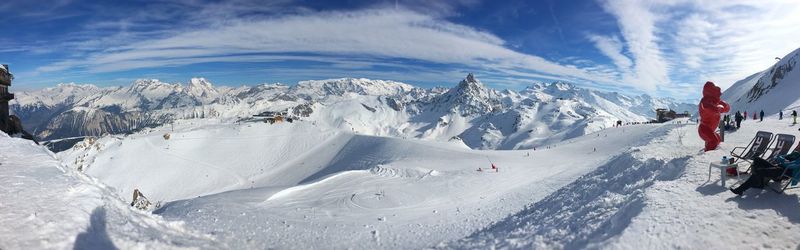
<point x="362" y="86"/>
<point x="480" y="116"/>
<point x="771" y="90"/>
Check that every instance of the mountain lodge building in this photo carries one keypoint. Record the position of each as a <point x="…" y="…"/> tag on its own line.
<point x="5" y="97"/>
<point x="664" y="115"/>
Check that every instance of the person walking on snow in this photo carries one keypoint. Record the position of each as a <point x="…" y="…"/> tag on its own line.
<point x="761" y="115"/>
<point x="794" y="116"/>
<point x="780" y="115"/>
<point x="754" y="116"/>
<point x="745" y="115"/>
<point x="738" y="118"/>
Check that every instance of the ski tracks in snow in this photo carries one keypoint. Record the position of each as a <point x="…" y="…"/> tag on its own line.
<point x="596" y="207"/>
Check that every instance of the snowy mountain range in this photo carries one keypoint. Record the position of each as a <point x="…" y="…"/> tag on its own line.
<point x="771" y="90"/>
<point x="481" y="117"/>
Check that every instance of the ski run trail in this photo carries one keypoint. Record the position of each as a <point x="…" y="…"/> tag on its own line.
<point x="300" y="186"/>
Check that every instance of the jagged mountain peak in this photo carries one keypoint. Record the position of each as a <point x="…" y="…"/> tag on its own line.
<point x="563" y="86"/>
<point x="200" y="82"/>
<point x="470" y="97"/>
<point x="551" y="86"/>
<point x="340" y="86"/>
<point x="471" y="86"/>
<point x="142" y="85"/>
<point x="75" y="85"/>
<point x="471" y="78"/>
<point x="200" y="87"/>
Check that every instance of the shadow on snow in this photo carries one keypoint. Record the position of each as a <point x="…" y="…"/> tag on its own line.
<point x="594" y="208"/>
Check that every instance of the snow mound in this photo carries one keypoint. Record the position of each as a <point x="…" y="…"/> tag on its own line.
<point x="47" y="206"/>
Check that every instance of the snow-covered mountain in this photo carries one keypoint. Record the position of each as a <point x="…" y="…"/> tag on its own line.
<point x="771" y="90"/>
<point x="481" y="117"/>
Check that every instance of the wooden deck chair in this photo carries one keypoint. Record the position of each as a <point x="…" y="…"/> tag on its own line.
<point x="756" y="148"/>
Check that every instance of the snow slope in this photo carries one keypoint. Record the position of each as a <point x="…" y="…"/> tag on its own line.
<point x="702" y="214"/>
<point x="658" y="196"/>
<point x="299" y="185"/>
<point x="330" y="189"/>
<point x="771" y="90"/>
<point x="46" y="206"/>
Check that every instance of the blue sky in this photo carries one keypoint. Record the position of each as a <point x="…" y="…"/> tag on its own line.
<point x="663" y="48"/>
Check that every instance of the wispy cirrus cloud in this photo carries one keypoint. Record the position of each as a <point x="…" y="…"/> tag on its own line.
<point x="664" y="48"/>
<point x="637" y="25"/>
<point x="612" y="47"/>
<point x="674" y="46"/>
<point x="384" y="34"/>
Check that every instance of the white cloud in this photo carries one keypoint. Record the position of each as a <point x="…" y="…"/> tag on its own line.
<point x="612" y="47"/>
<point x="677" y="45"/>
<point x="375" y="34"/>
<point x="637" y="25"/>
<point x="749" y="35"/>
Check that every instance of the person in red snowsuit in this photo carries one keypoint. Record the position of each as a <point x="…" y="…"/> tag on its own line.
<point x="710" y="108"/>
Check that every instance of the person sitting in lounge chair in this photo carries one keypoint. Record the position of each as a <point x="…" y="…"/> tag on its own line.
<point x="764" y="171"/>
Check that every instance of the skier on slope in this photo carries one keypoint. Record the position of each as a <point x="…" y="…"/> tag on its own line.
<point x="761" y="115"/>
<point x="745" y="115"/>
<point x="794" y="116"/>
<point x="780" y="116"/>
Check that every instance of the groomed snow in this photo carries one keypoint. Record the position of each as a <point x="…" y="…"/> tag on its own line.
<point x="299" y="186"/>
<point x="303" y="186"/>
<point x="658" y="196"/>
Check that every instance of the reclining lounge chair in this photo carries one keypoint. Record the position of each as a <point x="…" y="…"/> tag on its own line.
<point x="783" y="143"/>
<point x="756" y="148"/>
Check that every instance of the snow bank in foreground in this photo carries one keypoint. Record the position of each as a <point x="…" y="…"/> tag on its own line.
<point x="44" y="206"/>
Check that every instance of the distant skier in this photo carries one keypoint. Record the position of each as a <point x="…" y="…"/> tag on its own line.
<point x="726" y="121"/>
<point x="738" y="118"/>
<point x="761" y="114"/>
<point x="780" y="115"/>
<point x="754" y="116"/>
<point x="745" y="116"/>
<point x="794" y="117"/>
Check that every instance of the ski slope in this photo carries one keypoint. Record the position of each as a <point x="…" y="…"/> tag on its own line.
<point x="299" y="181"/>
<point x="300" y="186"/>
